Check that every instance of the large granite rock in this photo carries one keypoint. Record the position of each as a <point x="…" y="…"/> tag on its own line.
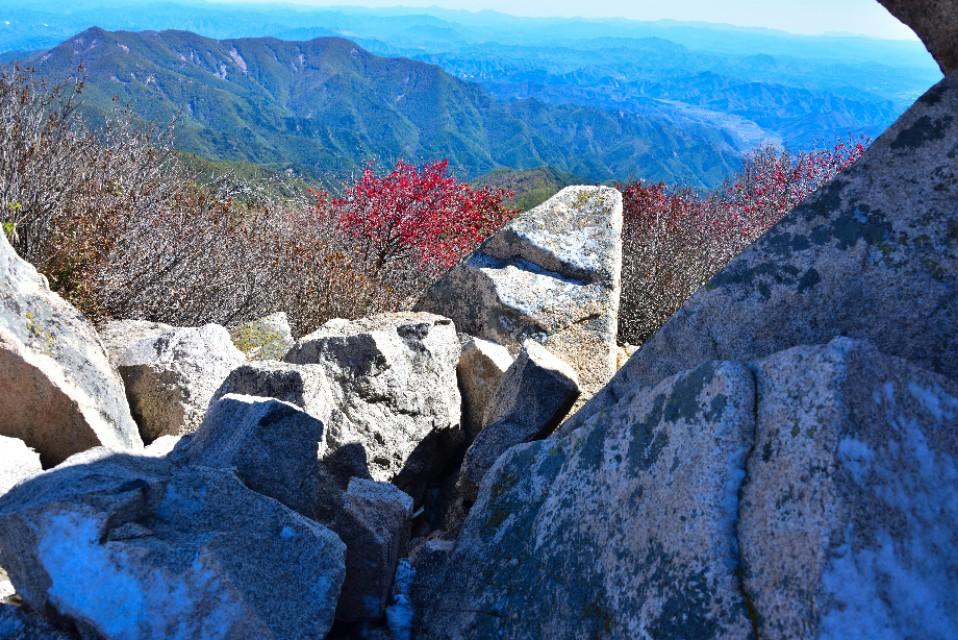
<point x="128" y="548"/>
<point x="872" y="255"/>
<point x="374" y="524"/>
<point x="58" y="391"/>
<point x="935" y="22"/>
<point x="533" y="397"/>
<point x="17" y="463"/>
<point x="272" y="446"/>
<point x="386" y="383"/>
<point x="481" y="367"/>
<point x="552" y="275"/>
<point x="267" y="338"/>
<point x="171" y="373"/>
<point x="807" y="495"/>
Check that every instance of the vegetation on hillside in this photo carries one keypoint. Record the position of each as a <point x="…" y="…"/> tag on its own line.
<point x="325" y="106"/>
<point x="675" y="240"/>
<point x="125" y="227"/>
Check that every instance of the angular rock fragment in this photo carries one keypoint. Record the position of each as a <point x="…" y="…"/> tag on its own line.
<point x="533" y="397"/>
<point x="374" y="524"/>
<point x="623" y="529"/>
<point x="480" y="369"/>
<point x="171" y="375"/>
<point x="552" y="275"/>
<point x="872" y="255"/>
<point x="387" y="383"/>
<point x="60" y="395"/>
<point x="133" y="548"/>
<point x="800" y="496"/>
<point x="272" y="446"/>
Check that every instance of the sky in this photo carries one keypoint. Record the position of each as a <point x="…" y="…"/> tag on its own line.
<point x="860" y="17"/>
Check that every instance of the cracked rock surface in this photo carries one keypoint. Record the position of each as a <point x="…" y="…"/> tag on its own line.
<point x="552" y="275"/>
<point x="797" y="496"/>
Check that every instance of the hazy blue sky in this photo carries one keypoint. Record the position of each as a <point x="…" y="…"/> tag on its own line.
<point x="865" y="17"/>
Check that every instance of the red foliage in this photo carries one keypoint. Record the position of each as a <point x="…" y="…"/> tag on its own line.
<point x="771" y="184"/>
<point x="675" y="240"/>
<point x="421" y="212"/>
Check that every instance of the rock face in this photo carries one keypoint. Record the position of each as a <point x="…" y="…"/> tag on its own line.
<point x="872" y="255"/>
<point x="60" y="393"/>
<point x="17" y="463"/>
<point x="552" y="275"/>
<point x="374" y="524"/>
<point x="797" y="497"/>
<point x="272" y="446"/>
<point x="935" y="22"/>
<point x="172" y="374"/>
<point x="481" y="367"/>
<point x="128" y="548"/>
<point x="17" y="624"/>
<point x="268" y="338"/>
<point x="533" y="397"/>
<point x="389" y="385"/>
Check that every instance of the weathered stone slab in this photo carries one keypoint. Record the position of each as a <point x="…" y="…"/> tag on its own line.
<point x="58" y="391"/>
<point x="552" y="275"/>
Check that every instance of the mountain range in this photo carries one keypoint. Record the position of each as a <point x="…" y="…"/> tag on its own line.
<point x="326" y="106"/>
<point x="602" y="99"/>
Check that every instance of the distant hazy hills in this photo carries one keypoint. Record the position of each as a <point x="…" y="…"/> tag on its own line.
<point x="326" y="106"/>
<point x="602" y="99"/>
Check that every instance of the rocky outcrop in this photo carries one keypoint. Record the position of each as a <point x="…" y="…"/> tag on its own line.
<point x="374" y="524"/>
<point x="272" y="446"/>
<point x="935" y="22"/>
<point x="130" y="548"/>
<point x="481" y="367"/>
<point x="872" y="255"/>
<point x="533" y="397"/>
<point x="18" y="624"/>
<point x="60" y="394"/>
<point x="552" y="275"/>
<point x="795" y="497"/>
<point x="386" y="383"/>
<point x="171" y="373"/>
<point x="17" y="463"/>
<point x="267" y="338"/>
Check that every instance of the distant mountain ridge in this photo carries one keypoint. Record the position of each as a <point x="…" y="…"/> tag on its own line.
<point x="326" y="106"/>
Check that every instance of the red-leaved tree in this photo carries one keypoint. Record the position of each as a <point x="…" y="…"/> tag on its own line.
<point x="675" y="240"/>
<point x="417" y="212"/>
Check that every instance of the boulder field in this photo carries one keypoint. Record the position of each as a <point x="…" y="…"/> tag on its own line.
<point x="780" y="460"/>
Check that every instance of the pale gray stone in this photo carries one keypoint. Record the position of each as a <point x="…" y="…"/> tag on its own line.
<point x="133" y="548"/>
<point x="533" y="397"/>
<point x="872" y="255"/>
<point x="805" y="495"/>
<point x="552" y="275"/>
<point x="171" y="375"/>
<point x="623" y="529"/>
<point x="480" y="369"/>
<point x="58" y="391"/>
<point x="386" y="383"/>
<point x="17" y="463"/>
<point x="272" y="446"/>
<point x="374" y="524"/>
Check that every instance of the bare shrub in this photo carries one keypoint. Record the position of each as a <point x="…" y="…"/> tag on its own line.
<point x="675" y="240"/>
